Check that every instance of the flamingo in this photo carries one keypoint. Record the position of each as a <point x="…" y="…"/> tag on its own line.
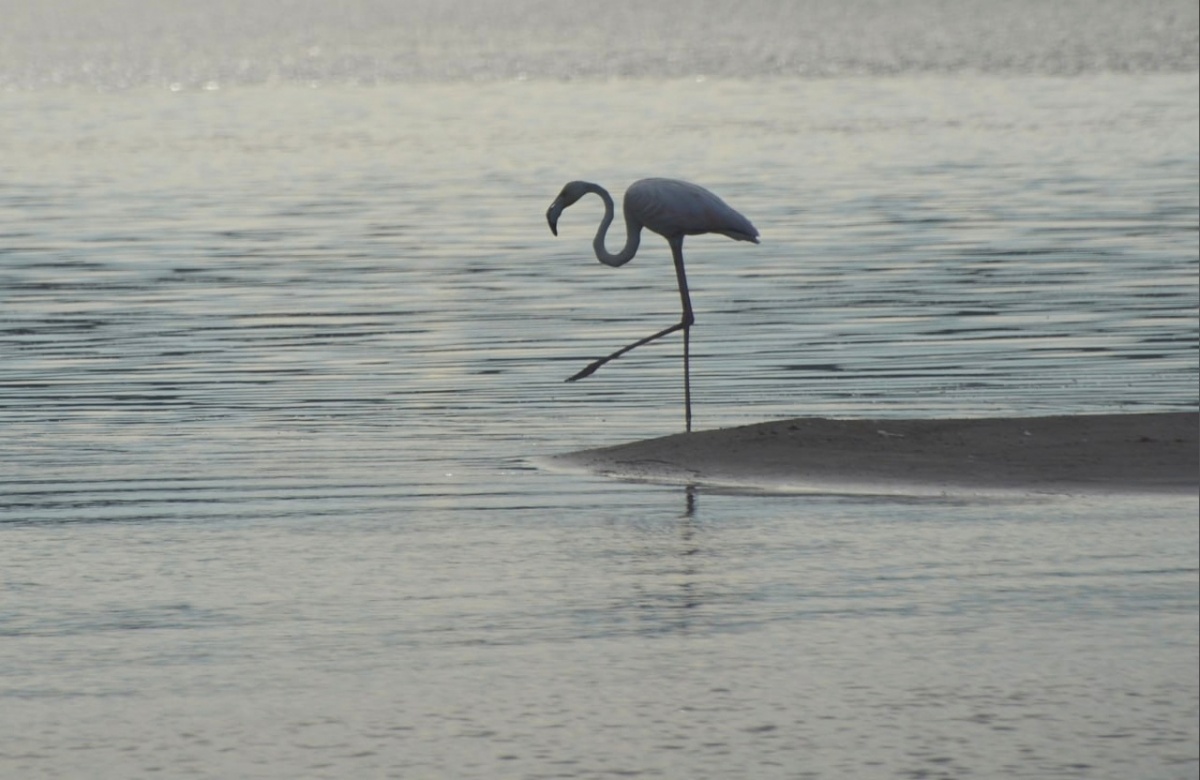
<point x="673" y="209"/>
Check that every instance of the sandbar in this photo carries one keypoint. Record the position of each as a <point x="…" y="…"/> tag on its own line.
<point x="1069" y="454"/>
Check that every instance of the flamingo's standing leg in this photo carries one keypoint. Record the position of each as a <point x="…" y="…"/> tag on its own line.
<point x="686" y="322"/>
<point x="687" y="383"/>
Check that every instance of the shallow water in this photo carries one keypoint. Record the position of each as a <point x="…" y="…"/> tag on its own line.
<point x="277" y="352"/>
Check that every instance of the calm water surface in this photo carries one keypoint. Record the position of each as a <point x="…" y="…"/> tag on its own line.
<point x="280" y="337"/>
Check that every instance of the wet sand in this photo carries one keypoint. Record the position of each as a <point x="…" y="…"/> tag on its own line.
<point x="1093" y="454"/>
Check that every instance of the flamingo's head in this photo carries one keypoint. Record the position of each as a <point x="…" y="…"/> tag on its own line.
<point x="572" y="192"/>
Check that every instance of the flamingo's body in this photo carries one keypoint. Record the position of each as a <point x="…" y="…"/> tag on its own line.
<point x="673" y="209"/>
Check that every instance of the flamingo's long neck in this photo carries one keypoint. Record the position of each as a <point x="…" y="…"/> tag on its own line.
<point x="633" y="233"/>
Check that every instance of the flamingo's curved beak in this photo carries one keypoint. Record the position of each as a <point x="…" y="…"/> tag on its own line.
<point x="552" y="214"/>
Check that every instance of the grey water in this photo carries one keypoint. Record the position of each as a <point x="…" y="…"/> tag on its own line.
<point x="283" y="331"/>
